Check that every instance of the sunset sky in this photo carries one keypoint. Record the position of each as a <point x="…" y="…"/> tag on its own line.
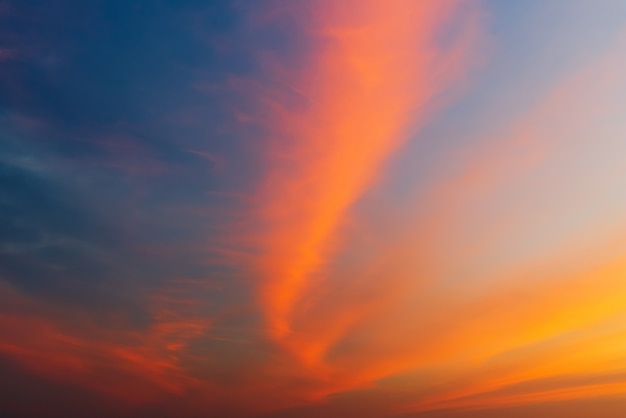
<point x="313" y="208"/>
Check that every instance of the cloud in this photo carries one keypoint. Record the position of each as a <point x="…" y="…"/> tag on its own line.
<point x="369" y="84"/>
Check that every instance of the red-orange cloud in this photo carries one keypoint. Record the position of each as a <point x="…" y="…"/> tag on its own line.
<point x="375" y="76"/>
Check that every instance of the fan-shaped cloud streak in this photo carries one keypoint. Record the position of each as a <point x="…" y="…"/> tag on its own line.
<point x="304" y="209"/>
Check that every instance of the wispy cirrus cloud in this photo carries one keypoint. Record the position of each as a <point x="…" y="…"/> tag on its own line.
<point x="373" y="78"/>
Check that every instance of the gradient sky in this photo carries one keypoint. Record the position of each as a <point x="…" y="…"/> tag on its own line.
<point x="317" y="208"/>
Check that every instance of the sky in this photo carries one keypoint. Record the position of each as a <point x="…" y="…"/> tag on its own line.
<point x="316" y="208"/>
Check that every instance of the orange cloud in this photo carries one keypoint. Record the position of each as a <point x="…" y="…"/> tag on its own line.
<point x="376" y="75"/>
